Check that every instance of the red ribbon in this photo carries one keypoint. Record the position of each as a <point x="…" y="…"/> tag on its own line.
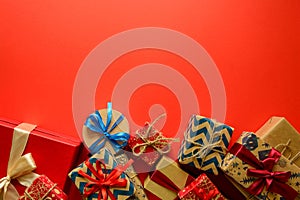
<point x="273" y="181"/>
<point x="103" y="181"/>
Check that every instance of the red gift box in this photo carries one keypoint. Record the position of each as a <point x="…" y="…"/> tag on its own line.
<point x="149" y="144"/>
<point x="201" y="189"/>
<point x="43" y="188"/>
<point x="54" y="154"/>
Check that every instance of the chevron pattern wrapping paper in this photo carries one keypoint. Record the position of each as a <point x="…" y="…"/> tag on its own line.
<point x="205" y="143"/>
<point x="108" y="159"/>
<point x="237" y="169"/>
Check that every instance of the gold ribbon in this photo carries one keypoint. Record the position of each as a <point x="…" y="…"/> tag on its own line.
<point x="160" y="140"/>
<point x="202" y="150"/>
<point x="19" y="167"/>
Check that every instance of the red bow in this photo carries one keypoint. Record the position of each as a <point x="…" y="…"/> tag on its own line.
<point x="273" y="181"/>
<point x="103" y="181"/>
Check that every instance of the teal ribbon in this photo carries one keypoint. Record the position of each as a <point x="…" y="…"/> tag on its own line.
<point x="95" y="123"/>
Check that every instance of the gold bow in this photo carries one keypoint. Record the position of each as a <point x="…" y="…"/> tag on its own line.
<point x="19" y="167"/>
<point x="160" y="140"/>
<point x="286" y="147"/>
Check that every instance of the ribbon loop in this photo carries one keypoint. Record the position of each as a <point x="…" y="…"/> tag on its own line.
<point x="95" y="123"/>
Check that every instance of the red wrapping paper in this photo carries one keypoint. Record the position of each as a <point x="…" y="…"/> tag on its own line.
<point x="220" y="181"/>
<point x="201" y="189"/>
<point x="43" y="188"/>
<point x="54" y="154"/>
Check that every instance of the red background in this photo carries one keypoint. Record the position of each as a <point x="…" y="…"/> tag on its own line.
<point x="254" y="44"/>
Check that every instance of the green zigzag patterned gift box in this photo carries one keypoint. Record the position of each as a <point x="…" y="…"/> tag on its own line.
<point x="205" y="144"/>
<point x="109" y="160"/>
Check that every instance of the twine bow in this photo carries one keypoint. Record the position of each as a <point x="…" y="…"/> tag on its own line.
<point x="202" y="150"/>
<point x="161" y="143"/>
<point x="19" y="167"/>
<point x="286" y="147"/>
<point x="95" y="123"/>
<point x="102" y="182"/>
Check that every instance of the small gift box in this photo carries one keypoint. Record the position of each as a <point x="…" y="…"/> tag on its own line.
<point x="149" y="144"/>
<point x="100" y="178"/>
<point x="261" y="169"/>
<point x="167" y="180"/>
<point x="279" y="133"/>
<point x="205" y="144"/>
<point x="106" y="125"/>
<point x="43" y="188"/>
<point x="201" y="189"/>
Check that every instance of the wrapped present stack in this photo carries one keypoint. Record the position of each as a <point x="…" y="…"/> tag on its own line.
<point x="37" y="164"/>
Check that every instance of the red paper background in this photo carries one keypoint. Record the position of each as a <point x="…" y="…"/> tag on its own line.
<point x="255" y="45"/>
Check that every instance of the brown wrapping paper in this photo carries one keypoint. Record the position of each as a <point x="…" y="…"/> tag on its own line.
<point x="277" y="132"/>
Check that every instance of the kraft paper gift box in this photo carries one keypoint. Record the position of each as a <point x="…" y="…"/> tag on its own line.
<point x="261" y="169"/>
<point x="149" y="144"/>
<point x="100" y="177"/>
<point x="279" y="133"/>
<point x="108" y="128"/>
<point x="201" y="189"/>
<point x="105" y="125"/>
<point x="54" y="154"/>
<point x="205" y="144"/>
<point x="43" y="188"/>
<point x="167" y="180"/>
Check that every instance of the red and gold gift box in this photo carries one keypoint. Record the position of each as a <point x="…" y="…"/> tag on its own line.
<point x="167" y="180"/>
<point x="279" y="133"/>
<point x="261" y="169"/>
<point x="201" y="189"/>
<point x="43" y="188"/>
<point x="149" y="144"/>
<point x="54" y="154"/>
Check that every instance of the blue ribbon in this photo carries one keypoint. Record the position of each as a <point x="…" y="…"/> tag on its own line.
<point x="95" y="123"/>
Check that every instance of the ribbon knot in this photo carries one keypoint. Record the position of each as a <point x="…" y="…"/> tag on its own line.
<point x="202" y="150"/>
<point x="266" y="178"/>
<point x="159" y="143"/>
<point x="102" y="182"/>
<point x="95" y="123"/>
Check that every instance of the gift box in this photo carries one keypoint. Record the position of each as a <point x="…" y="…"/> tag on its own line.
<point x="279" y="133"/>
<point x="105" y="125"/>
<point x="100" y="177"/>
<point x="229" y="188"/>
<point x="205" y="144"/>
<point x="201" y="189"/>
<point x="43" y="188"/>
<point x="261" y="169"/>
<point x="54" y="154"/>
<point x="140" y="194"/>
<point x="167" y="180"/>
<point x="149" y="144"/>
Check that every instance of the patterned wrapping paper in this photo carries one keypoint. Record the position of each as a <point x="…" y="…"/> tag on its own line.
<point x="110" y="164"/>
<point x="240" y="170"/>
<point x="140" y="194"/>
<point x="43" y="188"/>
<point x="201" y="189"/>
<point x="149" y="144"/>
<point x="105" y="125"/>
<point x="205" y="144"/>
<point x="279" y="133"/>
<point x="167" y="180"/>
